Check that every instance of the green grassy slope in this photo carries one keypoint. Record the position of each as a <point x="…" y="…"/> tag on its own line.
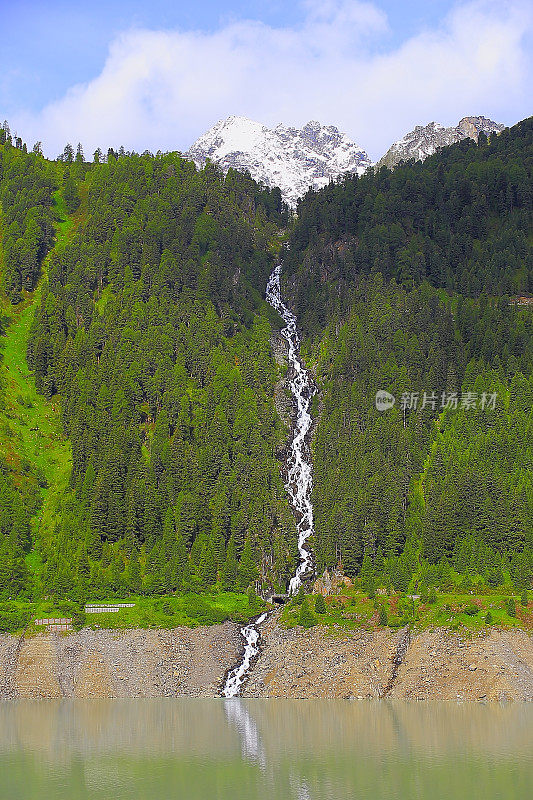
<point x="188" y="609"/>
<point x="31" y="440"/>
<point x="467" y="612"/>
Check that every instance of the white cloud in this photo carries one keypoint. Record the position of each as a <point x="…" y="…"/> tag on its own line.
<point x="161" y="89"/>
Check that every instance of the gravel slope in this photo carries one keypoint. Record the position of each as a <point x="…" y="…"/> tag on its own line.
<point x="129" y="663"/>
<point x="297" y="663"/>
<point x="438" y="665"/>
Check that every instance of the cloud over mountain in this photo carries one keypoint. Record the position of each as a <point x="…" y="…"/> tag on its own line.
<point x="161" y="89"/>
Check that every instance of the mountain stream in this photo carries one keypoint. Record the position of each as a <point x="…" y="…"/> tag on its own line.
<point x="299" y="477"/>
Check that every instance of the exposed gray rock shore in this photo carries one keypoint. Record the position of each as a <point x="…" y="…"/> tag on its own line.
<point x="109" y="663"/>
<point x="297" y="663"/>
<point x="437" y="665"/>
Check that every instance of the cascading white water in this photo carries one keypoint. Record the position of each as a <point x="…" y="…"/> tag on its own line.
<point x="299" y="468"/>
<point x="299" y="475"/>
<point x="236" y="677"/>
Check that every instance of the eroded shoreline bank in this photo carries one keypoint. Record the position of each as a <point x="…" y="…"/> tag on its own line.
<point x="439" y="664"/>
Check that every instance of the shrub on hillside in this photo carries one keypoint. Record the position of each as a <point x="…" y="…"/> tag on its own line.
<point x="255" y="604"/>
<point x="306" y="617"/>
<point x="200" y="611"/>
<point x="320" y="605"/>
<point x="395" y="621"/>
<point x="12" y="621"/>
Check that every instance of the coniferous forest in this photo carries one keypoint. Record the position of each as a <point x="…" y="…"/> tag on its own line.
<point x="410" y="282"/>
<point x="142" y="282"/>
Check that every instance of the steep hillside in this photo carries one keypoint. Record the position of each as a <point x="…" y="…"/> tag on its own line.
<point x="35" y="456"/>
<point x="441" y="473"/>
<point x="140" y="440"/>
<point x="27" y="182"/>
<point x="153" y="332"/>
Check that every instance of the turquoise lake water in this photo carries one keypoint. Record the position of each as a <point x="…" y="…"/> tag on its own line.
<point x="267" y="749"/>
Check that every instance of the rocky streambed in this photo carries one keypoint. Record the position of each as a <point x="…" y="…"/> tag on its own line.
<point x="295" y="663"/>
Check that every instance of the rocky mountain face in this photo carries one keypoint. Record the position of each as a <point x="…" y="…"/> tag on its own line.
<point x="424" y="140"/>
<point x="294" y="160"/>
<point x="297" y="160"/>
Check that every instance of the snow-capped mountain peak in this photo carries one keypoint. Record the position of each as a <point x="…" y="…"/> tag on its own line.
<point x="292" y="159"/>
<point x="425" y="140"/>
<point x="297" y="159"/>
<point x="231" y="135"/>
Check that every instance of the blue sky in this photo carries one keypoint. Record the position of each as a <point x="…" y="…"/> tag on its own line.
<point x="156" y="74"/>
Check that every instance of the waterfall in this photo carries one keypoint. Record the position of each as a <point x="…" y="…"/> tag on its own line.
<point x="299" y="468"/>
<point x="236" y="677"/>
<point x="299" y="481"/>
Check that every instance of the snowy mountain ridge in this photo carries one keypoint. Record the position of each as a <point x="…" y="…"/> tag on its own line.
<point x="425" y="140"/>
<point x="296" y="160"/>
<point x="292" y="159"/>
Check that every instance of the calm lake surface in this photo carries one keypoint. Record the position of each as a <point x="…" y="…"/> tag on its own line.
<point x="306" y="750"/>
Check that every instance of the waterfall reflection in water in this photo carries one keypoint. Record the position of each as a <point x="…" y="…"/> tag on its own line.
<point x="252" y="747"/>
<point x="238" y="749"/>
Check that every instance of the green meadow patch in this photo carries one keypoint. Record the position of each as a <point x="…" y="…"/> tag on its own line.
<point x="354" y="609"/>
<point x="188" y="609"/>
